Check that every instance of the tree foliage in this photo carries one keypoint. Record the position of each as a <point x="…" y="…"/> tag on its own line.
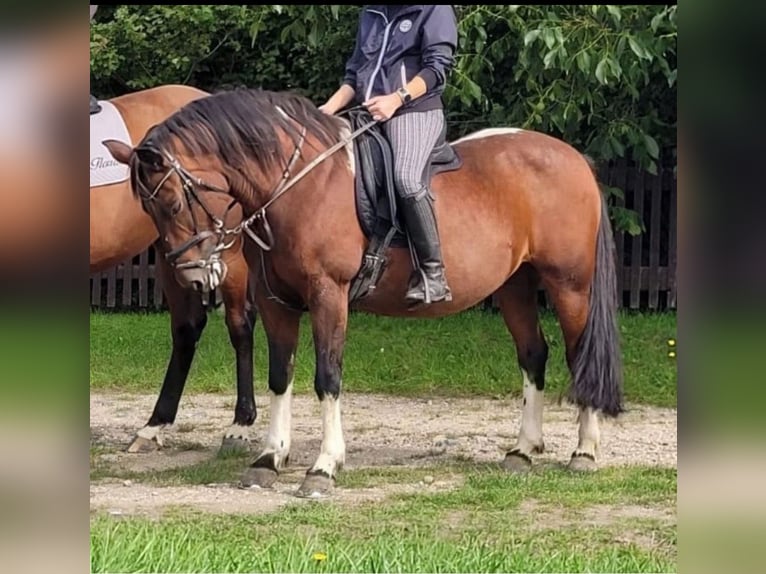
<point x="603" y="78"/>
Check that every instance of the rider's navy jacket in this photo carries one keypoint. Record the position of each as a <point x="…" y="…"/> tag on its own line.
<point x="394" y="44"/>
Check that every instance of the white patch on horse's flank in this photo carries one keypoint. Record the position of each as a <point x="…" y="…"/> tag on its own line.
<point x="238" y="431"/>
<point x="531" y="431"/>
<point x="345" y="132"/>
<point x="152" y="433"/>
<point x="333" y="451"/>
<point x="485" y="133"/>
<point x="280" y="426"/>
<point x="589" y="432"/>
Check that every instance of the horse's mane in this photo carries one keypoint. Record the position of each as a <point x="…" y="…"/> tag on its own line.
<point x="241" y="125"/>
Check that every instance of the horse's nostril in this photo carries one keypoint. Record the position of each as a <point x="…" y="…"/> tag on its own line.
<point x="197" y="285"/>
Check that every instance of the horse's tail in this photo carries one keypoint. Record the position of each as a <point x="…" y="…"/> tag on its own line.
<point x="597" y="368"/>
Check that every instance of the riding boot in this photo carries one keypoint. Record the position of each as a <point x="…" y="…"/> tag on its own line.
<point x="95" y="107"/>
<point x="427" y="284"/>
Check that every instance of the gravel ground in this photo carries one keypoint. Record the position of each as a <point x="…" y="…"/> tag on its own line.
<point x="379" y="431"/>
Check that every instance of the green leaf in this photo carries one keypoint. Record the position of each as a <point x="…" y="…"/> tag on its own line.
<point x="583" y="62"/>
<point x="617" y="146"/>
<point x="651" y="146"/>
<point x="615" y="191"/>
<point x="531" y="36"/>
<point x="473" y="89"/>
<point x="549" y="38"/>
<point x="672" y="77"/>
<point x="601" y="71"/>
<point x="620" y="48"/>
<point x="657" y="20"/>
<point x="638" y="49"/>
<point x="615" y="67"/>
<point x="548" y="60"/>
<point x="634" y="228"/>
<point x="615" y="12"/>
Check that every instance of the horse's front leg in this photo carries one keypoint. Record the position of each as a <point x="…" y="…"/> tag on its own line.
<point x="282" y="329"/>
<point x="329" y="315"/>
<point x="240" y="321"/>
<point x="187" y="322"/>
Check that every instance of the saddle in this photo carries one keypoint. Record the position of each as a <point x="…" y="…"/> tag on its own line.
<point x="376" y="195"/>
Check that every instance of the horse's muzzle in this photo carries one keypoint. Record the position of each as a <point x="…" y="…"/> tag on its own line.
<point x="203" y="279"/>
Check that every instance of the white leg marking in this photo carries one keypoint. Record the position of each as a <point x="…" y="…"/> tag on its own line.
<point x="152" y="433"/>
<point x="531" y="431"/>
<point x="238" y="431"/>
<point x="589" y="432"/>
<point x="485" y="133"/>
<point x="280" y="426"/>
<point x="333" y="453"/>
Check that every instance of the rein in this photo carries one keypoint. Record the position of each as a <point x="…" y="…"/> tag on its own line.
<point x="285" y="186"/>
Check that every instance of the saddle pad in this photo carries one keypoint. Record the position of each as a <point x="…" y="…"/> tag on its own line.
<point x="106" y="124"/>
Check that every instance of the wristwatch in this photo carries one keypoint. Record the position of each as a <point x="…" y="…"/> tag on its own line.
<point x="404" y="95"/>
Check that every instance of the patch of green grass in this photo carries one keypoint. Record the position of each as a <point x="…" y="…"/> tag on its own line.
<point x="481" y="526"/>
<point x="469" y="354"/>
<point x="224" y="468"/>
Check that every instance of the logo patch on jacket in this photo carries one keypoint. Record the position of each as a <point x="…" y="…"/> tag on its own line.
<point x="405" y="26"/>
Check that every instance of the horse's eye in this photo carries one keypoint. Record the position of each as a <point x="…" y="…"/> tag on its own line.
<point x="175" y="209"/>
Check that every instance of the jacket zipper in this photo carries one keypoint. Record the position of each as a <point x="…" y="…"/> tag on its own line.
<point x="380" y="56"/>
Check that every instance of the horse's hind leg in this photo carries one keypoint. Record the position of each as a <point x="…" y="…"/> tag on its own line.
<point x="282" y="329"/>
<point x="518" y="303"/>
<point x="187" y="321"/>
<point x="240" y="321"/>
<point x="571" y="305"/>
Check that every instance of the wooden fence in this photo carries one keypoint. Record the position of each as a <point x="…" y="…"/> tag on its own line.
<point x="646" y="263"/>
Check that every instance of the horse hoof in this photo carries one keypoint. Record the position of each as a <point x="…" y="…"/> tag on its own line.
<point x="582" y="462"/>
<point x="316" y="485"/>
<point x="260" y="477"/>
<point x="517" y="462"/>
<point x="234" y="445"/>
<point x="141" y="444"/>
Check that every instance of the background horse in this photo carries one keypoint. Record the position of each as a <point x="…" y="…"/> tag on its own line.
<point x="524" y="210"/>
<point x="120" y="229"/>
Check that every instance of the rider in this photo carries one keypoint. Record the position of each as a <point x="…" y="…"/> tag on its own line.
<point x="94" y="105"/>
<point x="398" y="71"/>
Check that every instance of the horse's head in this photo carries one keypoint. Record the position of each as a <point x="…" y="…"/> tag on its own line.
<point x="190" y="207"/>
<point x="243" y="148"/>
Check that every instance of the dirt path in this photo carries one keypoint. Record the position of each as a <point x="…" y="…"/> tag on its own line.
<point x="379" y="431"/>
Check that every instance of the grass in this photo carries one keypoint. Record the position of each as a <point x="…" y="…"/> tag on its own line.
<point x="493" y="522"/>
<point x="469" y="354"/>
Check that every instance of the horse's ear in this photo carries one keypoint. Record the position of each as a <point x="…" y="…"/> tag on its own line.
<point x="120" y="150"/>
<point x="151" y="157"/>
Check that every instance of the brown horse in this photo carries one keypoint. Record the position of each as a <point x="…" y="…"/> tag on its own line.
<point x="524" y="210"/>
<point x="120" y="229"/>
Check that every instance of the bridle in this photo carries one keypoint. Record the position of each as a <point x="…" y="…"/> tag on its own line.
<point x="192" y="184"/>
